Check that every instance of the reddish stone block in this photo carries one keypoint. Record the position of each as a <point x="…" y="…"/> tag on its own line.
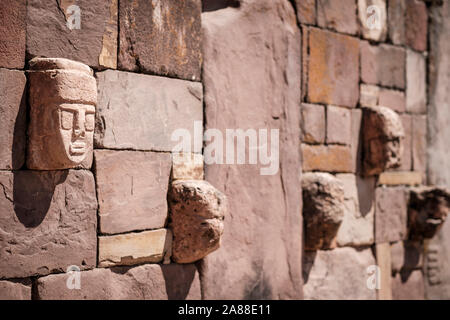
<point x="419" y="142"/>
<point x="313" y="123"/>
<point x="408" y="286"/>
<point x="339" y="15"/>
<point x="339" y="125"/>
<point x="393" y="99"/>
<point x="161" y="37"/>
<point x="12" y="119"/>
<point x="416" y="86"/>
<point x="306" y="11"/>
<point x="383" y="65"/>
<point x="14" y="291"/>
<point x="416" y="24"/>
<point x="333" y="68"/>
<point x="396" y="21"/>
<point x="333" y="158"/>
<point x="13" y="30"/>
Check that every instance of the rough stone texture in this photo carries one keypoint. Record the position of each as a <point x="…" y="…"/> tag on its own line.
<point x="323" y="209"/>
<point x="187" y="166"/>
<point x="406" y="158"/>
<point x="356" y="148"/>
<point x="13" y="28"/>
<point x="409" y="286"/>
<point x="161" y="37"/>
<point x="333" y="69"/>
<point x="339" y="125"/>
<point x="373" y="22"/>
<point x="313" y="123"/>
<point x="383" y="256"/>
<point x="419" y="143"/>
<point x="396" y="21"/>
<point x="427" y="210"/>
<point x="416" y="22"/>
<point x="406" y="256"/>
<point x="326" y="274"/>
<point x="146" y="102"/>
<point x="357" y="228"/>
<point x="51" y="225"/>
<point x="416" y="95"/>
<point x="400" y="178"/>
<point x="368" y="95"/>
<point x="197" y="211"/>
<point x="393" y="99"/>
<point x="390" y="214"/>
<point x="306" y="11"/>
<point x="383" y="65"/>
<point x="14" y="291"/>
<point x="135" y="248"/>
<point x="12" y="119"/>
<point x="332" y="158"/>
<point x="339" y="16"/>
<point x="260" y="257"/>
<point x="94" y="44"/>
<point x="62" y="98"/>
<point x="131" y="189"/>
<point x="146" y="282"/>
<point x="383" y="140"/>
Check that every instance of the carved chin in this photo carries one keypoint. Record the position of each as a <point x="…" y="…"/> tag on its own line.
<point x="76" y="152"/>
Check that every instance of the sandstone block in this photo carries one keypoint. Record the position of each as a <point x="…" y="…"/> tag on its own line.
<point x="419" y="143"/>
<point x="331" y="158"/>
<point x="383" y="140"/>
<point x="406" y="158"/>
<point x="416" y="95"/>
<point x="306" y="11"/>
<point x="406" y="256"/>
<point x="14" y="291"/>
<point x="53" y="31"/>
<point x="313" y="123"/>
<point x="356" y="145"/>
<point x="400" y="178"/>
<point x="135" y="248"/>
<point x="357" y="228"/>
<point x="416" y="25"/>
<point x="383" y="65"/>
<point x="326" y="274"/>
<point x="12" y="119"/>
<point x="396" y="21"/>
<point x="390" y="214"/>
<point x="393" y="99"/>
<point x="339" y="125"/>
<point x="63" y="95"/>
<point x="151" y="101"/>
<point x="333" y="70"/>
<point x="409" y="286"/>
<point x="339" y="16"/>
<point x="132" y="190"/>
<point x="13" y="29"/>
<point x="368" y="95"/>
<point x="373" y="19"/>
<point x="323" y="210"/>
<point x="146" y="282"/>
<point x="47" y="222"/>
<point x="187" y="166"/>
<point x="161" y="37"/>
<point x="383" y="255"/>
<point x="197" y="211"/>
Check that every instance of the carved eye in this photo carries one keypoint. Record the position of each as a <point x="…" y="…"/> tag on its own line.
<point x="90" y="122"/>
<point x="66" y="119"/>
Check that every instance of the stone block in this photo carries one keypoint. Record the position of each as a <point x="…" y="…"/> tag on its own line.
<point x="306" y="11"/>
<point x="373" y="19"/>
<point x="416" y="21"/>
<point x="396" y="21"/>
<point x="416" y="87"/>
<point x="313" y="123"/>
<point x="406" y="157"/>
<point x="333" y="158"/>
<point x="393" y="99"/>
<point x="14" y="291"/>
<point x="339" y="125"/>
<point x="13" y="30"/>
<point x="397" y="178"/>
<point x="368" y="95"/>
<point x="419" y="143"/>
<point x="187" y="166"/>
<point x="383" y="255"/>
<point x="408" y="286"/>
<point x="131" y="188"/>
<point x="339" y="16"/>
<point x="356" y="145"/>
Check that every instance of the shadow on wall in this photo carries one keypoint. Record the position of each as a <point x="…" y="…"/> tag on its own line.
<point x="212" y="5"/>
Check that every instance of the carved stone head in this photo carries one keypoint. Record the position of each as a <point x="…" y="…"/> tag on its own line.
<point x="63" y="94"/>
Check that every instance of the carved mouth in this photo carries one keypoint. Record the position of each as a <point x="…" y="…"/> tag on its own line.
<point x="78" y="147"/>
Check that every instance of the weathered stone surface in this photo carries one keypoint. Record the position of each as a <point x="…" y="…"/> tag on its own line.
<point x="393" y="99"/>
<point x="408" y="286"/>
<point x="47" y="222"/>
<point x="416" y="22"/>
<point x="326" y="274"/>
<point x="150" y="102"/>
<point x="383" y="256"/>
<point x="339" y="125"/>
<point x="313" y="123"/>
<point x="356" y="146"/>
<point x="306" y="11"/>
<point x="14" y="291"/>
<point x="396" y="21"/>
<point x="161" y="37"/>
<point x="94" y="43"/>
<point x="323" y="209"/>
<point x="390" y="214"/>
<point x="260" y="256"/>
<point x="13" y="29"/>
<point x="400" y="178"/>
<point x="187" y="166"/>
<point x="427" y="210"/>
<point x="131" y="189"/>
<point x="135" y="248"/>
<point x="337" y="15"/>
<point x="383" y="140"/>
<point x="383" y="65"/>
<point x="331" y="158"/>
<point x="333" y="70"/>
<point x="146" y="282"/>
<point x="63" y="95"/>
<point x="416" y="95"/>
<point x="406" y="256"/>
<point x="357" y="228"/>
<point x="406" y="158"/>
<point x="419" y="143"/>
<point x="368" y="95"/>
<point x="373" y="19"/>
<point x="197" y="211"/>
<point x="12" y="119"/>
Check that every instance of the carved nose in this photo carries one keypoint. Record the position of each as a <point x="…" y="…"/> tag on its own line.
<point x="78" y="127"/>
